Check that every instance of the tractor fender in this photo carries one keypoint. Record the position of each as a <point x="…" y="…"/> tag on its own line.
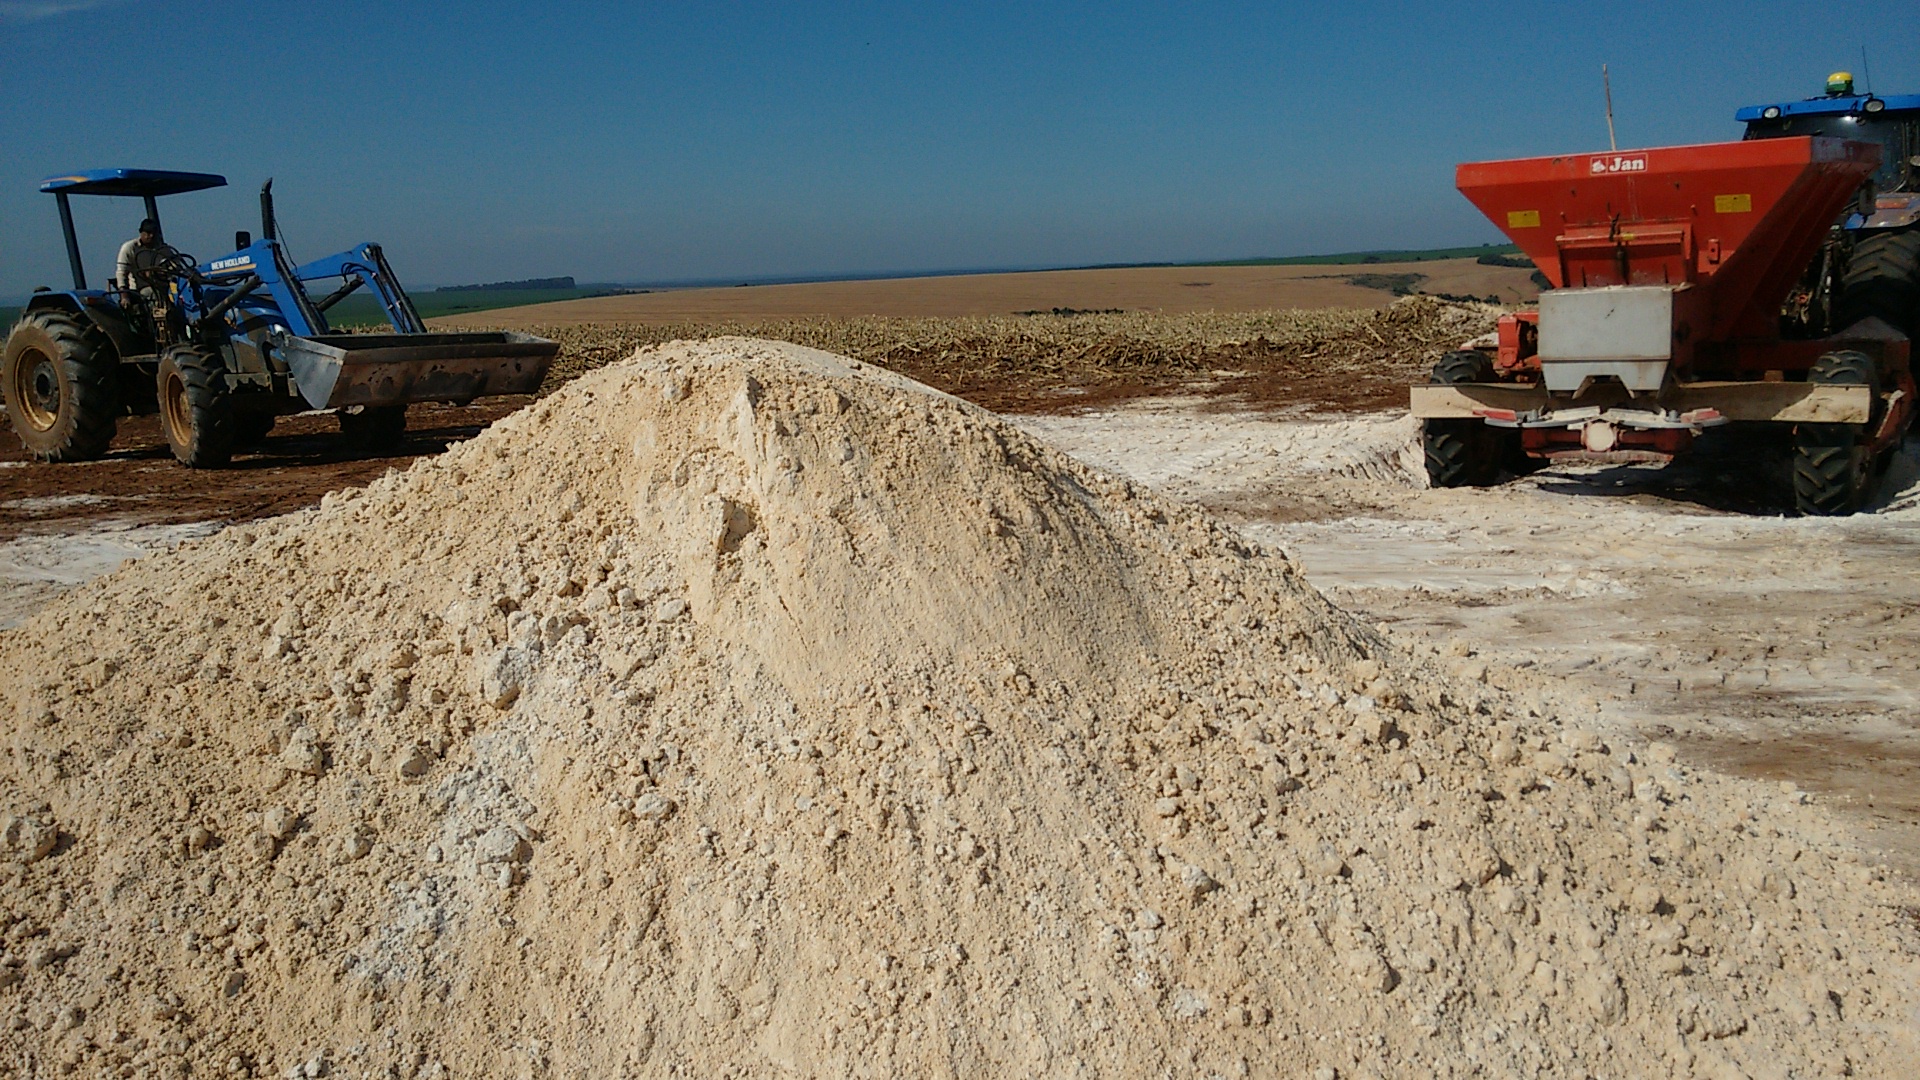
<point x="119" y="329"/>
<point x="101" y="312"/>
<point x="48" y="300"/>
<point x="1891" y="210"/>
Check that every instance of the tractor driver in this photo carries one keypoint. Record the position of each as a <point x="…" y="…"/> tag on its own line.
<point x="138" y="258"/>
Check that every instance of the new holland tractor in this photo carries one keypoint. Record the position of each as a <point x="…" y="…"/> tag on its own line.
<point x="1772" y="280"/>
<point x="221" y="348"/>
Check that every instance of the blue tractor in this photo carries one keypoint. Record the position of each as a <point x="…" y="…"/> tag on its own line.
<point x="220" y="348"/>
<point x="1870" y="265"/>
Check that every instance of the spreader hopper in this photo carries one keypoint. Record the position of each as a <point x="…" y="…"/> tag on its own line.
<point x="1738" y="222"/>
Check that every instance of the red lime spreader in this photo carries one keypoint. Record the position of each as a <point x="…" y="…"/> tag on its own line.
<point x="1692" y="286"/>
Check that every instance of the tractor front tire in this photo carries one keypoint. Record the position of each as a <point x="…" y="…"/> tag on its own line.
<point x="196" y="407"/>
<point x="1464" y="453"/>
<point x="378" y="429"/>
<point x="1883" y="281"/>
<point x="1831" y="470"/>
<point x="60" y="379"/>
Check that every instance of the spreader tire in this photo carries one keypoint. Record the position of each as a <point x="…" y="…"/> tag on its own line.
<point x="374" y="428"/>
<point x="196" y="408"/>
<point x="60" y="379"/>
<point x="1464" y="453"/>
<point x="1459" y="454"/>
<point x="1883" y="281"/>
<point x="1831" y="470"/>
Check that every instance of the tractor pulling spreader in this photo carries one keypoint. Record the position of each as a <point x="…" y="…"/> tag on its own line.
<point x="1773" y="280"/>
<point x="220" y="349"/>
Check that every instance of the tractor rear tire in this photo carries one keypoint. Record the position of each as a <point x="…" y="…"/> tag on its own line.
<point x="196" y="407"/>
<point x="375" y="429"/>
<point x="1882" y="280"/>
<point x="1462" y="366"/>
<point x="1831" y="470"/>
<point x="1464" y="453"/>
<point x="61" y="382"/>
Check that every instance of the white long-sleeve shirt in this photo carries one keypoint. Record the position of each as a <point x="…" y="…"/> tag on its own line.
<point x="123" y="266"/>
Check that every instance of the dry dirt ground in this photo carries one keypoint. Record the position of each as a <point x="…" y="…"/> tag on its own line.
<point x="1164" y="289"/>
<point x="63" y="524"/>
<point x="1686" y="597"/>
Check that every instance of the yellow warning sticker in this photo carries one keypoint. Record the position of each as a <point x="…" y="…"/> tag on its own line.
<point x="1523" y="219"/>
<point x="1733" y="204"/>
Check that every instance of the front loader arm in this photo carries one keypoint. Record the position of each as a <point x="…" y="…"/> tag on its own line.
<point x="270" y="286"/>
<point x="366" y="263"/>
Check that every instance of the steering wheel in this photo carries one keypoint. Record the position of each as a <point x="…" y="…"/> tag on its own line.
<point x="155" y="266"/>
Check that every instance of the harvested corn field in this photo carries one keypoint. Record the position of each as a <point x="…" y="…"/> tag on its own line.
<point x="1337" y="358"/>
<point x="1001" y="361"/>
<point x="1166" y="290"/>
<point x="767" y="713"/>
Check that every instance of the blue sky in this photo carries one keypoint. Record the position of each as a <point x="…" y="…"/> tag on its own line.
<point x="669" y="141"/>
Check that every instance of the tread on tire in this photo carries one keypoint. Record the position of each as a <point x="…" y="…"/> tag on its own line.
<point x="61" y="383"/>
<point x="1882" y="280"/>
<point x="196" y="407"/>
<point x="1831" y="473"/>
<point x="1464" y="453"/>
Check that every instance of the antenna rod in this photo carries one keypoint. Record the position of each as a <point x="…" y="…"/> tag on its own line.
<point x="1866" y="69"/>
<point x="1606" y="80"/>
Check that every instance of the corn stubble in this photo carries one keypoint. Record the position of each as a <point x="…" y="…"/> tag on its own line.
<point x="1014" y="352"/>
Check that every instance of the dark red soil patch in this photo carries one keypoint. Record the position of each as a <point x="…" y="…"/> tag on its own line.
<point x="301" y="461"/>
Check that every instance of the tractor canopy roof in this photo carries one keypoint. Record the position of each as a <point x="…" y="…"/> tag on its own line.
<point x="1840" y="105"/>
<point x="136" y="182"/>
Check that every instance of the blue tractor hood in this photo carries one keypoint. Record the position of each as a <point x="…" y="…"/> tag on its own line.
<point x="150" y="183"/>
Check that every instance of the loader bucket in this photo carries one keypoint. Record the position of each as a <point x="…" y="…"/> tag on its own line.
<point x="1739" y="221"/>
<point x="337" y="370"/>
